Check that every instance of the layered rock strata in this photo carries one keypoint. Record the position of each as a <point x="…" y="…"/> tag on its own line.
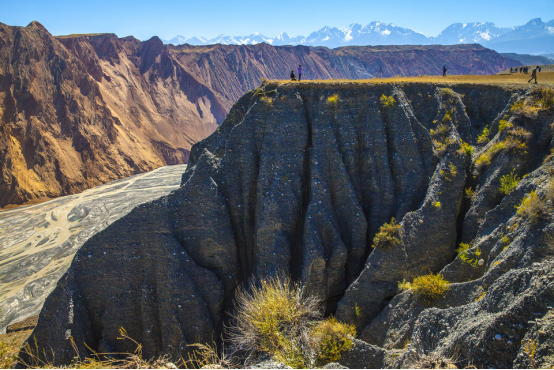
<point x="298" y="180"/>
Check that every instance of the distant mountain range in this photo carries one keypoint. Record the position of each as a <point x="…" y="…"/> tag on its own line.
<point x="535" y="37"/>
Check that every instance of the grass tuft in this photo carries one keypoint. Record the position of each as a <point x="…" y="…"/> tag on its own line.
<point x="274" y="318"/>
<point x="509" y="182"/>
<point x="483" y="138"/>
<point x="333" y="99"/>
<point x="388" y="236"/>
<point x="430" y="287"/>
<point x="387" y="101"/>
<point x="469" y="259"/>
<point x="331" y="339"/>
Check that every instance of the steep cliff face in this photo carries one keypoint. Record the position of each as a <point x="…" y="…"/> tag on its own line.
<point x="81" y="110"/>
<point x="78" y="111"/>
<point x="298" y="180"/>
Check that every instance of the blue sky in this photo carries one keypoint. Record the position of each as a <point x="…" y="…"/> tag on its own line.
<point x="209" y="18"/>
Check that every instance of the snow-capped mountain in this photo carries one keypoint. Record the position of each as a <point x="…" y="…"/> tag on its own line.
<point x="509" y="39"/>
<point x="470" y="33"/>
<point x="535" y="37"/>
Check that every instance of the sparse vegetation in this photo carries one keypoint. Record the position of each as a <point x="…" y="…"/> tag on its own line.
<point x="469" y="193"/>
<point x="514" y="140"/>
<point x="437" y="204"/>
<point x="532" y="207"/>
<point x="449" y="173"/>
<point x="503" y="125"/>
<point x="331" y="338"/>
<point x="517" y="106"/>
<point x="509" y="182"/>
<point x="549" y="156"/>
<point x="467" y="257"/>
<point x="447" y="93"/>
<point x="8" y="355"/>
<point x="333" y="99"/>
<point x="447" y="117"/>
<point x="440" y="138"/>
<point x="466" y="148"/>
<point x="483" y="138"/>
<point x="530" y="348"/>
<point x="387" y="102"/>
<point x="38" y="358"/>
<point x="274" y="318"/>
<point x="388" y="236"/>
<point x="404" y="285"/>
<point x="267" y="100"/>
<point x="430" y="287"/>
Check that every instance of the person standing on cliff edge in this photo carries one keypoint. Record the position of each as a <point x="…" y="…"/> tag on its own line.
<point x="534" y="74"/>
<point x="299" y="72"/>
<point x="443" y="71"/>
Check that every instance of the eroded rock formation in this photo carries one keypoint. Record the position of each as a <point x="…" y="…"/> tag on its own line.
<point x="80" y="110"/>
<point x="298" y="180"/>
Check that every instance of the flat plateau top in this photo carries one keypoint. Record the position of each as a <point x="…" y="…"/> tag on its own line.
<point x="504" y="79"/>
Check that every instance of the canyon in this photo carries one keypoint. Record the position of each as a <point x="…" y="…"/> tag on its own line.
<point x="78" y="111"/>
<point x="298" y="180"/>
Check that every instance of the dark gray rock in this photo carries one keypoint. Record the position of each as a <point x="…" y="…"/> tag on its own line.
<point x="297" y="184"/>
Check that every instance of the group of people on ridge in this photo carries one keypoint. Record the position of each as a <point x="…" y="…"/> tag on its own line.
<point x="293" y="76"/>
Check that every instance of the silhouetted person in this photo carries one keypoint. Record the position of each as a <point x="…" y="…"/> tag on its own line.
<point x="534" y="74"/>
<point x="380" y="72"/>
<point x="511" y="70"/>
<point x="443" y="71"/>
<point x="292" y="76"/>
<point x="299" y="72"/>
<point x="520" y="69"/>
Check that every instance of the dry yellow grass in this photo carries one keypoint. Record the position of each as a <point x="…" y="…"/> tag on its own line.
<point x="544" y="78"/>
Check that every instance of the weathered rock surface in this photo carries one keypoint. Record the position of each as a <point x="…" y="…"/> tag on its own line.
<point x="37" y="243"/>
<point x="81" y="110"/>
<point x="298" y="180"/>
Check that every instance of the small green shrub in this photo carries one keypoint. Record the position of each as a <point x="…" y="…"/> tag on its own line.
<point x="512" y="142"/>
<point x="469" y="192"/>
<point x="509" y="182"/>
<point x="447" y="93"/>
<point x="464" y="254"/>
<point x="388" y="236"/>
<point x="447" y="117"/>
<point x="331" y="339"/>
<point x="532" y="207"/>
<point x="404" y="285"/>
<point x="267" y="100"/>
<point x="430" y="287"/>
<point x="483" y="138"/>
<point x="437" y="204"/>
<point x="466" y="148"/>
<point x="273" y="317"/>
<point x="546" y="100"/>
<point x="503" y="125"/>
<point x="387" y="101"/>
<point x="517" y="106"/>
<point x="333" y="99"/>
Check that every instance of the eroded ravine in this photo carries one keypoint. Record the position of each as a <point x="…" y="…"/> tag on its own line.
<point x="298" y="180"/>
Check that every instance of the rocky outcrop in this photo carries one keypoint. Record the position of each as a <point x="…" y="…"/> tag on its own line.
<point x="80" y="110"/>
<point x="298" y="180"/>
